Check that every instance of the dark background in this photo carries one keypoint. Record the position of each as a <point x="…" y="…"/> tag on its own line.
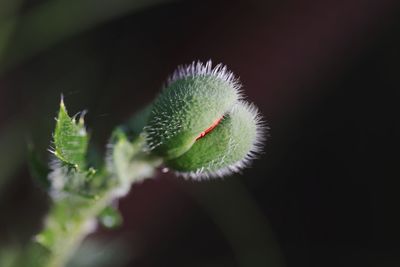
<point x="325" y="74"/>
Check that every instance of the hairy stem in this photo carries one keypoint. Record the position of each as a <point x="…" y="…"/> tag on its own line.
<point x="66" y="235"/>
<point x="72" y="217"/>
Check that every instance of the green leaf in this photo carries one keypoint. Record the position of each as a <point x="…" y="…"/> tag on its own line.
<point x="70" y="139"/>
<point x="126" y="161"/>
<point x="70" y="171"/>
<point x="119" y="156"/>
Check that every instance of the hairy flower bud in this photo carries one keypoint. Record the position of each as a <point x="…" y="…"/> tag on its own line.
<point x="200" y="125"/>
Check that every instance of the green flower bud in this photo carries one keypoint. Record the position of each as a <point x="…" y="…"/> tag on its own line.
<point x="228" y="148"/>
<point x="193" y="99"/>
<point x="200" y="125"/>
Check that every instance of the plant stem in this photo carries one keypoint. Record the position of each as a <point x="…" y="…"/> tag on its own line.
<point x="72" y="217"/>
<point x="66" y="234"/>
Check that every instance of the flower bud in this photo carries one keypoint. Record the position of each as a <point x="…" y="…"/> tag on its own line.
<point x="200" y="125"/>
<point x="228" y="148"/>
<point x="193" y="99"/>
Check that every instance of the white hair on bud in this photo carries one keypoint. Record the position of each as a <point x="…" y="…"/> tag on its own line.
<point x="197" y="68"/>
<point x="163" y="126"/>
<point x="253" y="153"/>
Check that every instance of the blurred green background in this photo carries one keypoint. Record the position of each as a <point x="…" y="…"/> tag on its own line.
<point x="325" y="74"/>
